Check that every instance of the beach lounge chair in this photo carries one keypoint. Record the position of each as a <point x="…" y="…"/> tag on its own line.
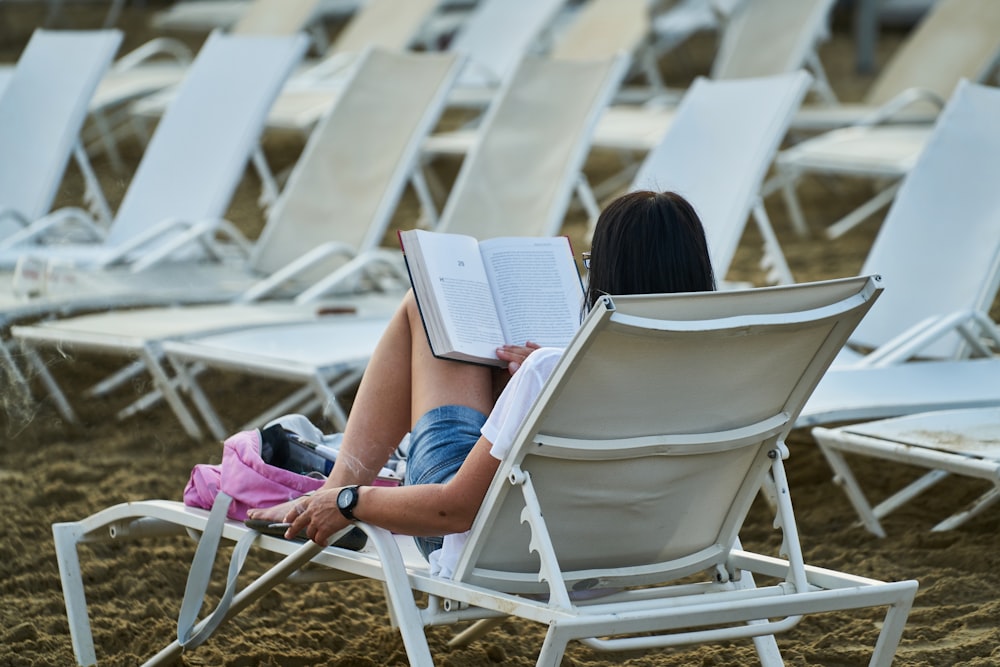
<point x="791" y="29"/>
<point x="916" y="81"/>
<point x="163" y="63"/>
<point x="42" y="111"/>
<point x="595" y="497"/>
<point x="190" y="169"/>
<point x="723" y="138"/>
<point x="208" y="15"/>
<point x="531" y="199"/>
<point x="963" y="442"/>
<point x="492" y="39"/>
<point x="876" y="148"/>
<point x="329" y="211"/>
<point x="939" y="246"/>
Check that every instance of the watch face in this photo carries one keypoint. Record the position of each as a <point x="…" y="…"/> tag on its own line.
<point x="346" y="501"/>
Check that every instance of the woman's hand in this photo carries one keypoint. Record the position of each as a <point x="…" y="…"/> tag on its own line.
<point x="317" y="515"/>
<point x="515" y="355"/>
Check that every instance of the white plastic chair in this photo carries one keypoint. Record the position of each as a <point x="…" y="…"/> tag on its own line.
<point x="939" y="246"/>
<point x="954" y="40"/>
<point x="723" y="139"/>
<point x="162" y="63"/>
<point x="596" y="493"/>
<point x="791" y="29"/>
<point x="962" y="442"/>
<point x="42" y="110"/>
<point x="191" y="167"/>
<point x="876" y="147"/>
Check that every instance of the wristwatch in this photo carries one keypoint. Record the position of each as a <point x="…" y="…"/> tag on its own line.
<point x="347" y="500"/>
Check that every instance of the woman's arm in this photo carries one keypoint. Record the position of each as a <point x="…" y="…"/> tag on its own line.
<point x="421" y="509"/>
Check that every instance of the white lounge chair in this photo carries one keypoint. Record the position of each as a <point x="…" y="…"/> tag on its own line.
<point x="42" y="111"/>
<point x="939" y="246"/>
<point x="531" y="201"/>
<point x="492" y="39"/>
<point x="963" y="442"/>
<point x="791" y="29"/>
<point x="876" y="148"/>
<point x="191" y="167"/>
<point x="723" y="139"/>
<point x="163" y="63"/>
<point x="596" y="493"/>
<point x="329" y="211"/>
<point x="954" y="40"/>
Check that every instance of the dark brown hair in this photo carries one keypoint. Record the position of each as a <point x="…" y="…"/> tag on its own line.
<point x="648" y="243"/>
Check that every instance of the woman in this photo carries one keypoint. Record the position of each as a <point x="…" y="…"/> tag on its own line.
<point x="462" y="417"/>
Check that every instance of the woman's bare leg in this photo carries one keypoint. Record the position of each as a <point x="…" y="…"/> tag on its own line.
<point x="403" y="380"/>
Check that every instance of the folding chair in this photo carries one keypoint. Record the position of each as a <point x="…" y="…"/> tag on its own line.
<point x="596" y="496"/>
<point x="963" y="442"/>
<point x="42" y="109"/>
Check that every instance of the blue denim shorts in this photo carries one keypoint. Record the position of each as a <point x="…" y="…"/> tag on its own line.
<point x="439" y="442"/>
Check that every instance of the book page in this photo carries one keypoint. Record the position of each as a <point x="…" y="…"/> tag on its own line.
<point x="537" y="288"/>
<point x="464" y="301"/>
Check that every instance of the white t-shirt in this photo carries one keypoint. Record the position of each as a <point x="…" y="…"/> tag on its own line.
<point x="501" y="426"/>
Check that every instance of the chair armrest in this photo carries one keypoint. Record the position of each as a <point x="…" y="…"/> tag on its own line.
<point x="71" y="217"/>
<point x="266" y="286"/>
<point x="904" y="99"/>
<point x="200" y="232"/>
<point x="363" y="265"/>
<point x="160" y="46"/>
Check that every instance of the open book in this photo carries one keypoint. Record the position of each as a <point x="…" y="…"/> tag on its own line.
<point x="475" y="296"/>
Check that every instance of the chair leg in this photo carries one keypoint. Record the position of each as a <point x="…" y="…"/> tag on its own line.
<point x="892" y="632"/>
<point x="55" y="392"/>
<point x="791" y="197"/>
<point x="843" y="476"/>
<point x="861" y="213"/>
<point x="981" y="503"/>
<point x="66" y="536"/>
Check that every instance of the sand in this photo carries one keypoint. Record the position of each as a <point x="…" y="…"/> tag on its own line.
<point x="51" y="471"/>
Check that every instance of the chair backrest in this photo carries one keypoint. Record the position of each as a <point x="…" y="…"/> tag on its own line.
<point x="275" y="17"/>
<point x="723" y="139"/>
<point x="497" y="34"/>
<point x="939" y="245"/>
<point x="651" y="438"/>
<point x="42" y="109"/>
<point x="603" y="29"/>
<point x="518" y="177"/>
<point x="767" y="37"/>
<point x="385" y="24"/>
<point x="391" y="102"/>
<point x="202" y="144"/>
<point x="956" y="39"/>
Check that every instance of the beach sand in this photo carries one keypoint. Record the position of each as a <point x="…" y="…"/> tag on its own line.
<point x="51" y="471"/>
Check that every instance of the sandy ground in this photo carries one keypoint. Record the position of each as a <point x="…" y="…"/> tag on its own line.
<point x="52" y="471"/>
